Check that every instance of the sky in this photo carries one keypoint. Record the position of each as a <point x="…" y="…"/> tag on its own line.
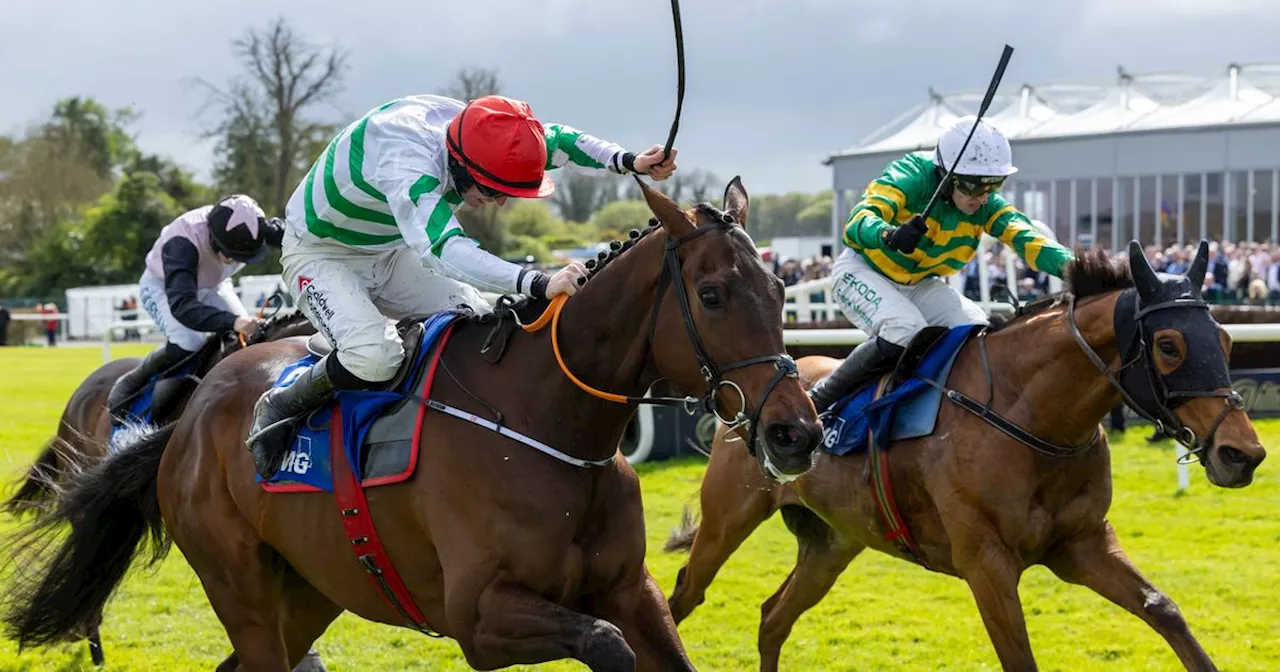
<point x="773" y="87"/>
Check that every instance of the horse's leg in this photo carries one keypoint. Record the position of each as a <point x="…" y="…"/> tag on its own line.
<point x="305" y="614"/>
<point x="640" y="611"/>
<point x="95" y="644"/>
<point x="513" y="625"/>
<point x="735" y="500"/>
<point x="992" y="572"/>
<point x="241" y="577"/>
<point x="1097" y="562"/>
<point x="820" y="561"/>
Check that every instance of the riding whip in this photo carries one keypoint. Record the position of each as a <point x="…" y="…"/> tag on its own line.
<point x="986" y="102"/>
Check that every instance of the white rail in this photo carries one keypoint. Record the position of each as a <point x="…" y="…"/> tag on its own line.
<point x="1240" y="333"/>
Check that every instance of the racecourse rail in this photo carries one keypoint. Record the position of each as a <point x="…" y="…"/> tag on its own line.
<point x="800" y="307"/>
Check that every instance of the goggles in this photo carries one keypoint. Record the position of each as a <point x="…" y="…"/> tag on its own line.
<point x="974" y="186"/>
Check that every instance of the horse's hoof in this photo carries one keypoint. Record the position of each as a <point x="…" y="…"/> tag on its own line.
<point x="311" y="663"/>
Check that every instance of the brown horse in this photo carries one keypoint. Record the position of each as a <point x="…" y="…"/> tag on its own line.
<point x="981" y="505"/>
<point x="84" y="430"/>
<point x="520" y="557"/>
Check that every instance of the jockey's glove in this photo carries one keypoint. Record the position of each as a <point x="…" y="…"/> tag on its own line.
<point x="905" y="238"/>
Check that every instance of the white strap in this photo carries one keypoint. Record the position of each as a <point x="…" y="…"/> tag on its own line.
<point x="512" y="434"/>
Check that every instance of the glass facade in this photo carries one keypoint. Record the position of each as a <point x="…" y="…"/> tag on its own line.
<point x="1236" y="206"/>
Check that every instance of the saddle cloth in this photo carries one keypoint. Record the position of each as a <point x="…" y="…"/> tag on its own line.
<point x="910" y="409"/>
<point x="379" y="429"/>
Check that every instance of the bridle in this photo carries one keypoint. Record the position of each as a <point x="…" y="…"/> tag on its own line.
<point x="712" y="374"/>
<point x="1138" y="381"/>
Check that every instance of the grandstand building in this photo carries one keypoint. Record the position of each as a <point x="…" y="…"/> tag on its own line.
<point x="1162" y="158"/>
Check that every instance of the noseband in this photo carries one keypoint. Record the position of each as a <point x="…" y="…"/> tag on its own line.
<point x="714" y="375"/>
<point x="1144" y="389"/>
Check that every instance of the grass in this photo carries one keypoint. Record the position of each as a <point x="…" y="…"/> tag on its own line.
<point x="1216" y="552"/>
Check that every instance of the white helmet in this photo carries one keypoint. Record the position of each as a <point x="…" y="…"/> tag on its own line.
<point x="988" y="153"/>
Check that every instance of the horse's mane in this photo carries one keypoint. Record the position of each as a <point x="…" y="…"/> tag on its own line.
<point x="529" y="309"/>
<point x="1093" y="272"/>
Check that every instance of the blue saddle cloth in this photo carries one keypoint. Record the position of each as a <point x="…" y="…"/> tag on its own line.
<point x="306" y="467"/>
<point x="909" y="411"/>
<point x="139" y="409"/>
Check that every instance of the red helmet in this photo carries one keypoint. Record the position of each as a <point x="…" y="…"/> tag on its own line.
<point x="502" y="146"/>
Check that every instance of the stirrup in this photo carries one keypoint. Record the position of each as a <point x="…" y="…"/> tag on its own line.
<point x="256" y="436"/>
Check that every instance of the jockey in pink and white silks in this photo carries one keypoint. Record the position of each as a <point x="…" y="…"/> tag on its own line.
<point x="186" y="288"/>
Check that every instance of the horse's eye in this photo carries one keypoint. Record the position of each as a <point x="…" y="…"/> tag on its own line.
<point x="1168" y="348"/>
<point x="710" y="297"/>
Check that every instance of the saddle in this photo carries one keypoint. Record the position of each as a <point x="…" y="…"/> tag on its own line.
<point x="410" y="329"/>
<point x="377" y="429"/>
<point x="899" y="403"/>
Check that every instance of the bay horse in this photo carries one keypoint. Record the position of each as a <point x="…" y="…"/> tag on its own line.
<point x="980" y="504"/>
<point x="518" y="556"/>
<point x="84" y="429"/>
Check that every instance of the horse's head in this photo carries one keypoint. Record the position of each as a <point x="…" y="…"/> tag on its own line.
<point x="716" y="330"/>
<point x="1175" y="368"/>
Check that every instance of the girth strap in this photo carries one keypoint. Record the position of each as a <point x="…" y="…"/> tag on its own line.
<point x="357" y="522"/>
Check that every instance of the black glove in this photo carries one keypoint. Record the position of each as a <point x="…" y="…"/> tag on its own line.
<point x="274" y="233"/>
<point x="905" y="238"/>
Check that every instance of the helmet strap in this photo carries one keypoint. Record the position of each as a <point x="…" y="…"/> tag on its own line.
<point x="947" y="187"/>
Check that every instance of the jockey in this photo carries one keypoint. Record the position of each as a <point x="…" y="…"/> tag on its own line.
<point x="889" y="281"/>
<point x="371" y="233"/>
<point x="186" y="287"/>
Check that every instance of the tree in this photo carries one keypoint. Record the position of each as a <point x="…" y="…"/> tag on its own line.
<point x="42" y="182"/>
<point x="119" y="230"/>
<point x="471" y="83"/>
<point x="87" y="130"/>
<point x="614" y="220"/>
<point x="264" y="113"/>
<point x="578" y="196"/>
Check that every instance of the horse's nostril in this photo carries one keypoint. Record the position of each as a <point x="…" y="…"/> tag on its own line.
<point x="1233" y="457"/>
<point x="784" y="435"/>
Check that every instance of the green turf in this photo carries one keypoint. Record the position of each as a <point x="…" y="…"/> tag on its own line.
<point x="1216" y="552"/>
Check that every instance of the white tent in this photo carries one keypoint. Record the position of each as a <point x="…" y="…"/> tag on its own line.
<point x="1024" y="116"/>
<point x="251" y="287"/>
<point x="1229" y="100"/>
<point x="90" y="310"/>
<point x="1119" y="110"/>
<point x="921" y="132"/>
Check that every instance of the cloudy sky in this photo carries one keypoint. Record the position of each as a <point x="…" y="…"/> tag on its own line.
<point x="773" y="86"/>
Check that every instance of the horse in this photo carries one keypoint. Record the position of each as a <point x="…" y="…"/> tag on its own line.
<point x="978" y="503"/>
<point x="84" y="430"/>
<point x="520" y="556"/>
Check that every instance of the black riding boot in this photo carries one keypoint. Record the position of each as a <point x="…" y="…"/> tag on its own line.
<point x="267" y="437"/>
<point x="871" y="356"/>
<point x="128" y="385"/>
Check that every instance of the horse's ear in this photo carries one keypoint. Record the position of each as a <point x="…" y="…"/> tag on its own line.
<point x="1144" y="277"/>
<point x="668" y="212"/>
<point x="735" y="201"/>
<point x="1198" y="267"/>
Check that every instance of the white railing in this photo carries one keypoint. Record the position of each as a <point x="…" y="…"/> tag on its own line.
<point x="139" y="325"/>
<point x="802" y="308"/>
<point x="1240" y="333"/>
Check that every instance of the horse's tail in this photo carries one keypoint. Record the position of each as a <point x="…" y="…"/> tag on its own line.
<point x="61" y="581"/>
<point x="681" y="538"/>
<point x="37" y="487"/>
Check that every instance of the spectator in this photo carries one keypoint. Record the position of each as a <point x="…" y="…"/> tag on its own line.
<point x="51" y="325"/>
<point x="4" y="325"/>
<point x="1273" y="281"/>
